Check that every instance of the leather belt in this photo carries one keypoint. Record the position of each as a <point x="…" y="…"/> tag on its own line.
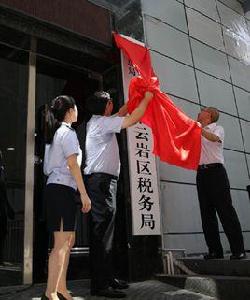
<point x="210" y="166"/>
<point x="101" y="174"/>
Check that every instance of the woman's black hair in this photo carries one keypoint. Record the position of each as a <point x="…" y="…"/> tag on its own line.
<point x="56" y="114"/>
<point x="96" y="104"/>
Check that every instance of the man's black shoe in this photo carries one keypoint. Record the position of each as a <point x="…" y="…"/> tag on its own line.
<point x="109" y="293"/>
<point x="118" y="284"/>
<point x="238" y="256"/>
<point x="213" y="256"/>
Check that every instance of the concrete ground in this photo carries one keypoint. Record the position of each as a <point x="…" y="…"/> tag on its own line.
<point x="147" y="290"/>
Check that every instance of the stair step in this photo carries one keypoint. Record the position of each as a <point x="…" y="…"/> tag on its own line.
<point x="218" y="287"/>
<point x="182" y="294"/>
<point x="222" y="267"/>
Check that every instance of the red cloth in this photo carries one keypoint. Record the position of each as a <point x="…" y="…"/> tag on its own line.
<point x="177" y="138"/>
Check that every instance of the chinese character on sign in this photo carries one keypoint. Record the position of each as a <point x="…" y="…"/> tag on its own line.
<point x="145" y="203"/>
<point x="143" y="167"/>
<point x="148" y="221"/>
<point x="144" y="185"/>
<point x="142" y="146"/>
<point x="140" y="126"/>
<point x="142" y="150"/>
<point x="141" y="135"/>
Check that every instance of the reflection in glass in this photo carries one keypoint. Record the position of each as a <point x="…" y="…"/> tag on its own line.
<point x="128" y="16"/>
<point x="13" y="112"/>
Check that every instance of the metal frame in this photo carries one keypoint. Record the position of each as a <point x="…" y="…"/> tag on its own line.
<point x="29" y="170"/>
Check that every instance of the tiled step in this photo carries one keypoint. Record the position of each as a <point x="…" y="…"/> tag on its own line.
<point x="224" y="267"/>
<point x="218" y="287"/>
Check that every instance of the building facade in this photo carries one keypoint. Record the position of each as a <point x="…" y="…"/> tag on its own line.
<point x="46" y="49"/>
<point x="200" y="51"/>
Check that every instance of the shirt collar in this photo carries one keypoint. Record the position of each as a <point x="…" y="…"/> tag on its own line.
<point x="211" y="126"/>
<point x="67" y="124"/>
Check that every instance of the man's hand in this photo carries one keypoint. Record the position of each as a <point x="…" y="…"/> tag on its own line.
<point x="123" y="111"/>
<point x="148" y="96"/>
<point x="139" y="111"/>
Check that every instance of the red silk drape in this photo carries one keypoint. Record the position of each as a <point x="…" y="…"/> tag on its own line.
<point x="177" y="138"/>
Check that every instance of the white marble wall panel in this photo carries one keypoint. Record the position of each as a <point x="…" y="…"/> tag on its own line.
<point x="234" y="4"/>
<point x="191" y="243"/>
<point x="236" y="167"/>
<point x="175" y="78"/>
<point x="195" y="243"/>
<point x="233" y="136"/>
<point x="231" y="19"/>
<point x="205" y="29"/>
<point x="246" y="134"/>
<point x="243" y="103"/>
<point x="210" y="60"/>
<point x="217" y="93"/>
<point x="171" y="12"/>
<point x="240" y="73"/>
<point x="180" y="208"/>
<point x="248" y="163"/>
<point x="174" y="173"/>
<point x="241" y="204"/>
<point x="206" y="7"/>
<point x="167" y="40"/>
<point x="235" y="46"/>
<point x="246" y="236"/>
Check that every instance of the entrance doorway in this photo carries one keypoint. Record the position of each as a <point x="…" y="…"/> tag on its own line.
<point x="58" y="70"/>
<point x="13" y="114"/>
<point x="54" y="77"/>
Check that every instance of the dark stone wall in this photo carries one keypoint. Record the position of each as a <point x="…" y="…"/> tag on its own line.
<point x="78" y="16"/>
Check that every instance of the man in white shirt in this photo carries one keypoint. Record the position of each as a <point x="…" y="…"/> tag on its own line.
<point x="214" y="190"/>
<point x="101" y="174"/>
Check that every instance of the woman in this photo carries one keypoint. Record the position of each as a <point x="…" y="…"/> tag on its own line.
<point x="61" y="165"/>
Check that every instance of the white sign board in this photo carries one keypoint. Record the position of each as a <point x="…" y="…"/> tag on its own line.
<point x="142" y="169"/>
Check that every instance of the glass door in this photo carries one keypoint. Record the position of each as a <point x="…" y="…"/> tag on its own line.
<point x="13" y="117"/>
<point x="54" y="78"/>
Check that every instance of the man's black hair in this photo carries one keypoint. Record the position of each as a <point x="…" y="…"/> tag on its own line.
<point x="97" y="103"/>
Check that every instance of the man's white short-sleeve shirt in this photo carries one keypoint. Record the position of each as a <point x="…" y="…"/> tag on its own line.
<point x="212" y="152"/>
<point x="102" y="152"/>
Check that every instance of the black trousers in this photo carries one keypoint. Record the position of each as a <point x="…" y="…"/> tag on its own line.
<point x="214" y="197"/>
<point x="102" y="189"/>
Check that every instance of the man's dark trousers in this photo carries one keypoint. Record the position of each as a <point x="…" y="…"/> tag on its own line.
<point x="214" y="197"/>
<point x="101" y="189"/>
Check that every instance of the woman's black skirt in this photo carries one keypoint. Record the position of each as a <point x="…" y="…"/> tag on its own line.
<point x="60" y="207"/>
